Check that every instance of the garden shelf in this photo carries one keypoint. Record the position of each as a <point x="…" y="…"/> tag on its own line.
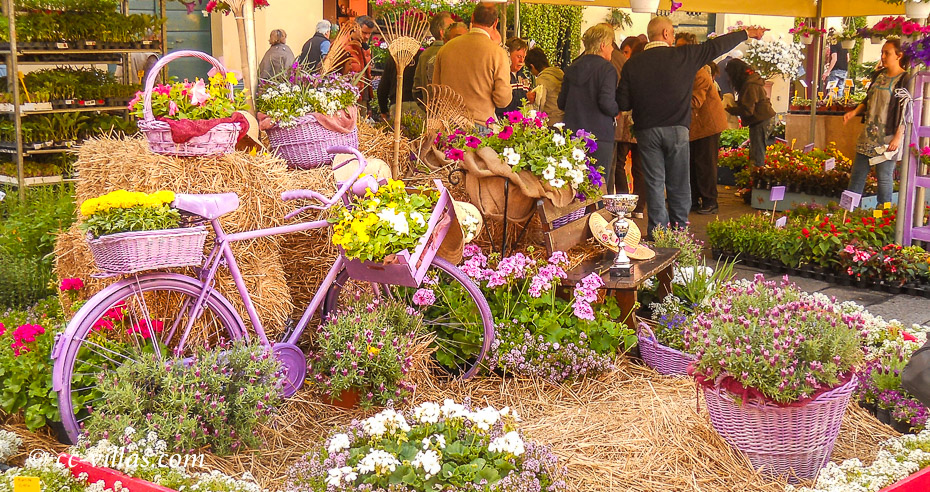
<point x="40" y="180"/>
<point x="78" y="109"/>
<point x="918" y="482"/>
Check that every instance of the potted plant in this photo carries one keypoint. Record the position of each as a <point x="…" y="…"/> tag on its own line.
<point x="301" y="108"/>
<point x="133" y="231"/>
<point x="363" y="354"/>
<point x="806" y="33"/>
<point x="768" y="353"/>
<point x="915" y="9"/>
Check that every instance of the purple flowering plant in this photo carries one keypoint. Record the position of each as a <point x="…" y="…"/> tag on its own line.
<point x="769" y="342"/>
<point x="366" y="347"/>
<point x="448" y="446"/>
<point x="880" y="384"/>
<point x="539" y="332"/>
<point x="525" y="142"/>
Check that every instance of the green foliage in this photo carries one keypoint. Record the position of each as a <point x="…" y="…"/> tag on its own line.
<point x="556" y="30"/>
<point x="25" y="371"/>
<point x="733" y="137"/>
<point x="684" y="240"/>
<point x="376" y="364"/>
<point x="23" y="280"/>
<point x="177" y="100"/>
<point x="218" y="397"/>
<point x="28" y="228"/>
<point x="619" y="19"/>
<point x="133" y="219"/>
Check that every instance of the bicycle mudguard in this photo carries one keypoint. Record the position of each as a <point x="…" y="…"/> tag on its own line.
<point x="63" y="340"/>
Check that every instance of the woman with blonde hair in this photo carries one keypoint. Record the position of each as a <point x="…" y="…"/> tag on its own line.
<point x="278" y="58"/>
<point x="589" y="95"/>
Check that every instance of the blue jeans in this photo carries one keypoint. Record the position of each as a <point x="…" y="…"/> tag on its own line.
<point x="840" y="77"/>
<point x="883" y="170"/>
<point x="665" y="155"/>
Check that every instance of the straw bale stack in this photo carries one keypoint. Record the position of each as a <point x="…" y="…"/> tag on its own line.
<point x="107" y="164"/>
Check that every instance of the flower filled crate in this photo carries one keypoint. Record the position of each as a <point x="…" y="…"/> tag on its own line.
<point x="129" y="232"/>
<point x="391" y="234"/>
<point x="95" y="473"/>
<point x="191" y="118"/>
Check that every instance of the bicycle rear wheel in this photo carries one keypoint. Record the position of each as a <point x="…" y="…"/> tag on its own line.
<point x="452" y="306"/>
<point x="146" y="316"/>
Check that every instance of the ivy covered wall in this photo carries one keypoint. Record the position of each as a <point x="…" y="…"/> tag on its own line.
<point x="555" y="28"/>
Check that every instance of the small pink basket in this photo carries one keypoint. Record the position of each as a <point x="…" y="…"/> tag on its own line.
<point x="221" y="139"/>
<point x="304" y="145"/>
<point x="665" y="360"/>
<point x="130" y="252"/>
<point x="410" y="268"/>
<point x="796" y="441"/>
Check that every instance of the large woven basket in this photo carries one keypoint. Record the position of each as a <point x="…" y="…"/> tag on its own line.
<point x="665" y="360"/>
<point x="796" y="441"/>
<point x="221" y="139"/>
<point x="304" y="144"/>
<point x="130" y="252"/>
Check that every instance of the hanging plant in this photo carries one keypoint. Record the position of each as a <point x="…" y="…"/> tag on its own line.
<point x="555" y="29"/>
<point x="461" y="10"/>
<point x="220" y="6"/>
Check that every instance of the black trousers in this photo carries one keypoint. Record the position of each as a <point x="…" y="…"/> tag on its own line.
<point x="636" y="169"/>
<point x="704" y="153"/>
<point x="604" y="157"/>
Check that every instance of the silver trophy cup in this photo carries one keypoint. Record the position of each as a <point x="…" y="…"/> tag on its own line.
<point x="621" y="206"/>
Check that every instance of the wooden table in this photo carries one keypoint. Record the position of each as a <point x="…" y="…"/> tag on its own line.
<point x="624" y="288"/>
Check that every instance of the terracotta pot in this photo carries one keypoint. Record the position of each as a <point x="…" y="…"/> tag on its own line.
<point x="348" y="399"/>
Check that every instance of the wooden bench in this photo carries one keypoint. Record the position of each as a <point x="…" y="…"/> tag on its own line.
<point x="625" y="288"/>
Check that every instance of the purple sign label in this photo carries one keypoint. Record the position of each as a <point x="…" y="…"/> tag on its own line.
<point x="809" y="147"/>
<point x="777" y="193"/>
<point x="780" y="223"/>
<point x="849" y="200"/>
<point x="829" y="164"/>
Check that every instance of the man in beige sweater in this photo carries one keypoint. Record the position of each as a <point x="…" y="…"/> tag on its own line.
<point x="476" y="66"/>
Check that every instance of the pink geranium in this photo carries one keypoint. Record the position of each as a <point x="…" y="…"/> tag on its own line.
<point x="142" y="328"/>
<point x="71" y="284"/>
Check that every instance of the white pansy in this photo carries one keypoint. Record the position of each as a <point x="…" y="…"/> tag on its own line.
<point x="548" y="173"/>
<point x="398" y="221"/>
<point x="428" y="461"/>
<point x="338" y="443"/>
<point x="427" y="413"/>
<point x="418" y="218"/>
<point x="510" y="442"/>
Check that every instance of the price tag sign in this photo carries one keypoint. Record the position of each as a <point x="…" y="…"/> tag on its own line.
<point x="90" y="102"/>
<point x="849" y="83"/>
<point x="809" y="147"/>
<point x="26" y="484"/>
<point x="780" y="223"/>
<point x="803" y="83"/>
<point x="877" y="213"/>
<point x="887" y="206"/>
<point x="61" y="46"/>
<point x="2" y="196"/>
<point x="777" y="193"/>
<point x="829" y="164"/>
<point x="781" y="141"/>
<point x="849" y="200"/>
<point x="832" y="84"/>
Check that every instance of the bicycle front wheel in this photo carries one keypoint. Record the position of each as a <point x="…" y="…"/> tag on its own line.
<point x="452" y="306"/>
<point x="148" y="316"/>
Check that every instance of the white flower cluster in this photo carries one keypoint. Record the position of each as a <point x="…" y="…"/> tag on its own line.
<point x="427" y="413"/>
<point x="685" y="275"/>
<point x="9" y="445"/>
<point x="285" y="103"/>
<point x="897" y="458"/>
<point x="378" y="461"/>
<point x="777" y="57"/>
<point x="510" y="442"/>
<point x="428" y="461"/>
<point x="386" y="422"/>
<point x="338" y="443"/>
<point x="561" y="172"/>
<point x="216" y="480"/>
<point x="336" y="476"/>
<point x="513" y="158"/>
<point x="469" y="225"/>
<point x="439" y="439"/>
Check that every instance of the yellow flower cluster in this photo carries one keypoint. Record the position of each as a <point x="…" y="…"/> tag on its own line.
<point x="125" y="199"/>
<point x="358" y="226"/>
<point x="219" y="79"/>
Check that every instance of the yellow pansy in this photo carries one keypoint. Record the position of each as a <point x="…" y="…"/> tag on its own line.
<point x="231" y="78"/>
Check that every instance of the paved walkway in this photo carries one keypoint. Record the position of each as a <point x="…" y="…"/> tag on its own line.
<point x="904" y="308"/>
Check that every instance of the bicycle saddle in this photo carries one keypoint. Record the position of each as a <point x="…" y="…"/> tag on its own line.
<point x="207" y="206"/>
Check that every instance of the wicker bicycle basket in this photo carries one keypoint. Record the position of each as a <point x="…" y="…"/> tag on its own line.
<point x="221" y="139"/>
<point x="130" y="252"/>
<point x="665" y="360"/>
<point x="794" y="440"/>
<point x="304" y="145"/>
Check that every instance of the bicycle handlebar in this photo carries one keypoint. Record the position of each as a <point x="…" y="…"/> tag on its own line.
<point x="325" y="203"/>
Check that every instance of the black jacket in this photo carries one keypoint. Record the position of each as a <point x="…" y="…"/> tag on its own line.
<point x="588" y="96"/>
<point x="387" y="88"/>
<point x="895" y="109"/>
<point x="311" y="53"/>
<point x="657" y="83"/>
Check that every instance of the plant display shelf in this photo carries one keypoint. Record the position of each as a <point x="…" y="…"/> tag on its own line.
<point x="917" y="177"/>
<point x="59" y="54"/>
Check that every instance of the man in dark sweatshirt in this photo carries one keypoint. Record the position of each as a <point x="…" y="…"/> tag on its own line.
<point x="656" y="85"/>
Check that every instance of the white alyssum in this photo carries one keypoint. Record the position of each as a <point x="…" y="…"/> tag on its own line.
<point x="9" y="445"/>
<point x="428" y="461"/>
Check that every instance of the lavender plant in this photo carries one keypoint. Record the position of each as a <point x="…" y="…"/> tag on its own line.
<point x="449" y="447"/>
<point x="217" y="397"/>
<point x="768" y="342"/>
<point x="366" y="347"/>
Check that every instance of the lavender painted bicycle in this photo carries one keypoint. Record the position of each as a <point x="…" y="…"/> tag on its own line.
<point x="168" y="314"/>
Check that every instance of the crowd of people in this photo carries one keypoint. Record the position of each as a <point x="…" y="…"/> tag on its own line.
<point x="657" y="98"/>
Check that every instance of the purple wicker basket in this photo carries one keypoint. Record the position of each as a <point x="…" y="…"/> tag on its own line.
<point x="568" y="218"/>
<point x="796" y="441"/>
<point x="130" y="252"/>
<point x="665" y="360"/>
<point x="304" y="145"/>
<point x="221" y="139"/>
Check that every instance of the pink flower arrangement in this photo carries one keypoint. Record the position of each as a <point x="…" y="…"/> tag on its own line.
<point x="74" y="284"/>
<point x="803" y="29"/>
<point x="142" y="327"/>
<point x="25" y="334"/>
<point x="898" y="26"/>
